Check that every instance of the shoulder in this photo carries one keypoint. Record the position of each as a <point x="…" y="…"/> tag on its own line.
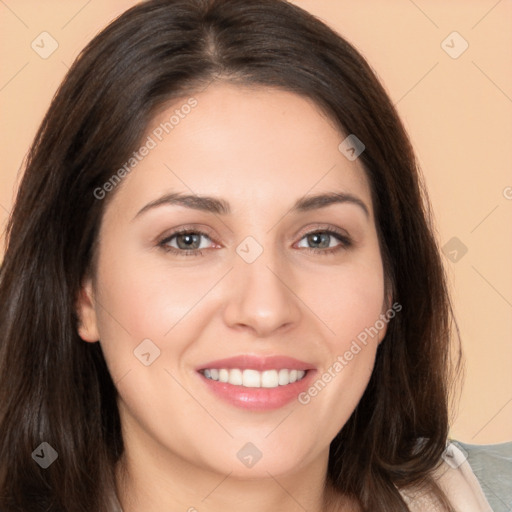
<point x="473" y="477"/>
<point x="492" y="466"/>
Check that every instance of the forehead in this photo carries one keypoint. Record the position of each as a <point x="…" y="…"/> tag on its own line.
<point x="257" y="147"/>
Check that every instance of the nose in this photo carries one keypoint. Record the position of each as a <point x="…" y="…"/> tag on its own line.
<point x="262" y="297"/>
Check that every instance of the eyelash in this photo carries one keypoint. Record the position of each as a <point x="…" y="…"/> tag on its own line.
<point x="346" y="242"/>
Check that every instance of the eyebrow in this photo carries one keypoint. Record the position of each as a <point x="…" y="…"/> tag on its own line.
<point x="221" y="207"/>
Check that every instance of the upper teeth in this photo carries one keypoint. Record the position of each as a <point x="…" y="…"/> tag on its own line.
<point x="254" y="378"/>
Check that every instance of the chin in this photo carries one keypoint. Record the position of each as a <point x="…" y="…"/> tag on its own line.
<point x="247" y="460"/>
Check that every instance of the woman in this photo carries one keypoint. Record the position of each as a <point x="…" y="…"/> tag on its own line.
<point x="300" y="361"/>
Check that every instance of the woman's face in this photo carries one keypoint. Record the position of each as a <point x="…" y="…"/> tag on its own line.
<point x="266" y="279"/>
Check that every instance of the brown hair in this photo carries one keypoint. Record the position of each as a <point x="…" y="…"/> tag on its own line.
<point x="55" y="388"/>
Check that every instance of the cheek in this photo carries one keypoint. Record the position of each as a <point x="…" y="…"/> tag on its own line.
<point x="150" y="293"/>
<point x="349" y="303"/>
<point x="348" y="300"/>
<point x="143" y="298"/>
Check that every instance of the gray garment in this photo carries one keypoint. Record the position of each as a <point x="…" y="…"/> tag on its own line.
<point x="492" y="465"/>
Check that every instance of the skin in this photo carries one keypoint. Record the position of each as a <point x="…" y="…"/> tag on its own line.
<point x="260" y="150"/>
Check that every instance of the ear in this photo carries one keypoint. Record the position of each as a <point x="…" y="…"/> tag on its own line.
<point x="86" y="312"/>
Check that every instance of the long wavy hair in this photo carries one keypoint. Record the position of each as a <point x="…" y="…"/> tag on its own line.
<point x="55" y="388"/>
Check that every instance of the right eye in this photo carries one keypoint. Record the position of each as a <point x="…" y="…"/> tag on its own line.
<point x="184" y="242"/>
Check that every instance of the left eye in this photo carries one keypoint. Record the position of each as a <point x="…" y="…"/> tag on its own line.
<point x="323" y="240"/>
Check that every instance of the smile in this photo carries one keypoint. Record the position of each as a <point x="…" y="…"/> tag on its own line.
<point x="256" y="382"/>
<point x="255" y="378"/>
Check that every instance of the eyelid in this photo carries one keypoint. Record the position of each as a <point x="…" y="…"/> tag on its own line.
<point x="321" y="227"/>
<point x="195" y="228"/>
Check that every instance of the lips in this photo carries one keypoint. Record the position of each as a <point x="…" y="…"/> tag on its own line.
<point x="250" y="362"/>
<point x="257" y="388"/>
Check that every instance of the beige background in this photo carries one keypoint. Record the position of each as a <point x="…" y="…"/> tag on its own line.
<point x="458" y="112"/>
